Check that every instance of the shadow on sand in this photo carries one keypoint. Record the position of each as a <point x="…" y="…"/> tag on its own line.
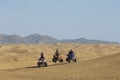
<point x="56" y="64"/>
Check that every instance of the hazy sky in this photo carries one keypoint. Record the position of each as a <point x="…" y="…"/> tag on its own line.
<point x="68" y="19"/>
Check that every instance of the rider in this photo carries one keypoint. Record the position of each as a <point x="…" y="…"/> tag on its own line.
<point x="57" y="54"/>
<point x="71" y="54"/>
<point x="42" y="56"/>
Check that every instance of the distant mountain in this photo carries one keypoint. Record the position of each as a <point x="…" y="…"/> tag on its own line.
<point x="11" y="39"/>
<point x="86" y="41"/>
<point x="44" y="39"/>
<point x="40" y="39"/>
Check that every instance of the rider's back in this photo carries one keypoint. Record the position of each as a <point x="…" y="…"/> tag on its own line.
<point x="71" y="54"/>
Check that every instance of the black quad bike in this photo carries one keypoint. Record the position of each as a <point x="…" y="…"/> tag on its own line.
<point x="41" y="63"/>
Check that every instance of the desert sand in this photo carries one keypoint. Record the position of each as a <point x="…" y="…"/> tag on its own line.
<point x="94" y="62"/>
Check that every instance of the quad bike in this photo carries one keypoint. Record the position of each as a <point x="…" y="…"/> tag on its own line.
<point x="55" y="59"/>
<point x="69" y="59"/>
<point x="42" y="63"/>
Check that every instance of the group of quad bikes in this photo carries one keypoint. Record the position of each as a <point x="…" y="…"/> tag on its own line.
<point x="43" y="63"/>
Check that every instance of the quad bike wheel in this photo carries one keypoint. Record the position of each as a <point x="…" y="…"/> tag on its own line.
<point x="61" y="60"/>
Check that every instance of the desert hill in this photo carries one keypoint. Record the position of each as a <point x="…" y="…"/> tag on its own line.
<point x="95" y="62"/>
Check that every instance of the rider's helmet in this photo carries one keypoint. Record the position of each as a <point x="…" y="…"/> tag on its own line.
<point x="41" y="53"/>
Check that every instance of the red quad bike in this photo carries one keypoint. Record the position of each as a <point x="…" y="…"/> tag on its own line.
<point x="55" y="59"/>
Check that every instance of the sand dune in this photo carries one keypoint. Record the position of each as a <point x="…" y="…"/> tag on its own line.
<point x="95" y="62"/>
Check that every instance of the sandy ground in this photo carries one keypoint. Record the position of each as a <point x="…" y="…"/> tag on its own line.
<point x="94" y="62"/>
